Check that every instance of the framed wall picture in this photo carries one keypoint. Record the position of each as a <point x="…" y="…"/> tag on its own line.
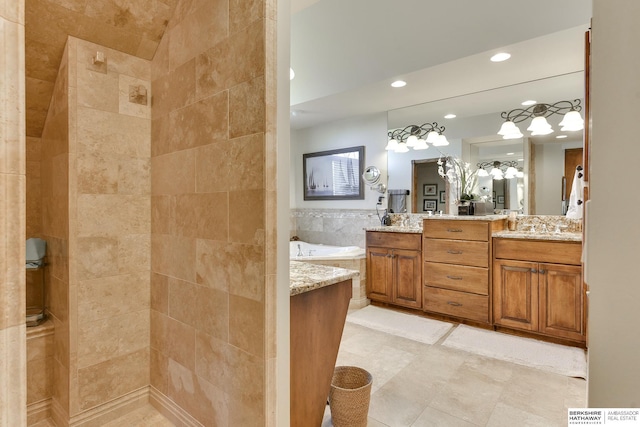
<point x="429" y="189"/>
<point x="429" y="205"/>
<point x="334" y="174"/>
<point x="501" y="200"/>
<point x="443" y="197"/>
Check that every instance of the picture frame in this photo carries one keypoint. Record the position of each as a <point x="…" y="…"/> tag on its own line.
<point x="429" y="189"/>
<point x="443" y="197"/>
<point x="334" y="174"/>
<point x="501" y="199"/>
<point x="429" y="205"/>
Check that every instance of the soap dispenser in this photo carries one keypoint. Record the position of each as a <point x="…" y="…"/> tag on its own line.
<point x="386" y="218"/>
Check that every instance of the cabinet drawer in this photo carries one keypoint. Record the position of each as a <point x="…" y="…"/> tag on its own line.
<point x="538" y="251"/>
<point x="475" y="254"/>
<point x="394" y="240"/>
<point x="454" y="303"/>
<point x="457" y="277"/>
<point x="456" y="229"/>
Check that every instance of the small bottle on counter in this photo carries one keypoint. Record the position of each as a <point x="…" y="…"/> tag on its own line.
<point x="512" y="221"/>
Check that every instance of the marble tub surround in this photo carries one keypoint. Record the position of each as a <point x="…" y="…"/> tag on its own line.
<point x="305" y="277"/>
<point x="339" y="227"/>
<point x="395" y="229"/>
<point x="39" y="371"/>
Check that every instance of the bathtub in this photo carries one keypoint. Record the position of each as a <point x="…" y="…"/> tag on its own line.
<point x="350" y="257"/>
<point x="311" y="251"/>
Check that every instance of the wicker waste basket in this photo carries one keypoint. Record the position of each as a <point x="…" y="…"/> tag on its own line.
<point x="349" y="396"/>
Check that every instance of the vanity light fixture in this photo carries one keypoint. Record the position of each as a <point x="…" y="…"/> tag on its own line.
<point x="572" y="120"/>
<point x="416" y="137"/>
<point x="499" y="170"/>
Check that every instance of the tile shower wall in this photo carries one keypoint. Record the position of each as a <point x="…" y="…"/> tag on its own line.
<point x="339" y="227"/>
<point x="211" y="167"/>
<point x="96" y="218"/>
<point x="12" y="215"/>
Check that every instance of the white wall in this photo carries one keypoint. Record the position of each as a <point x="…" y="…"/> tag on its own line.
<point x="613" y="236"/>
<point x="370" y="131"/>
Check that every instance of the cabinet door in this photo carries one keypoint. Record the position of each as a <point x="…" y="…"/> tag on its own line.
<point x="379" y="274"/>
<point x="407" y="275"/>
<point x="561" y="301"/>
<point x="515" y="294"/>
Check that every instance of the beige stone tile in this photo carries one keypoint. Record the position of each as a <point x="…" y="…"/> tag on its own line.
<point x="35" y="121"/>
<point x="39" y="347"/>
<point x="99" y="257"/>
<point x="112" y="296"/>
<point x="97" y="173"/>
<point x="174" y="256"/>
<point x="126" y="106"/>
<point x="205" y="24"/>
<point x="247" y="108"/>
<point x="507" y="416"/>
<point x="97" y="90"/>
<point x="13" y="371"/>
<point x="39" y="379"/>
<point x="247" y="158"/>
<point x="243" y="13"/>
<point x="160" y="293"/>
<point x="433" y="418"/>
<point x="58" y="298"/>
<point x="174" y="339"/>
<point x="134" y="177"/>
<point x="207" y="403"/>
<point x="12" y="194"/>
<point x="147" y="48"/>
<point x="214" y="312"/>
<point x="12" y="10"/>
<point x="160" y="134"/>
<point x="38" y="93"/>
<point x="235" y="268"/>
<point x="142" y="417"/>
<point x="111" y="337"/>
<point x="159" y="370"/>
<point x="247" y="210"/>
<point x="103" y="382"/>
<point x="109" y="215"/>
<point x="61" y="20"/>
<point x="112" y="133"/>
<point x="117" y="62"/>
<point x="247" y="325"/>
<point x="469" y="396"/>
<point x="203" y="215"/>
<point x="134" y="253"/>
<point x="396" y="405"/>
<point x="173" y="173"/>
<point x="107" y="35"/>
<point x="199" y="123"/>
<point x="60" y="383"/>
<point x="176" y="90"/>
<point x="220" y="68"/>
<point x="183" y="299"/>
<point x="213" y="167"/>
<point x="163" y="214"/>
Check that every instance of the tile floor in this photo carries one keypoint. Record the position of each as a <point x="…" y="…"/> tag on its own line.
<point x="423" y="385"/>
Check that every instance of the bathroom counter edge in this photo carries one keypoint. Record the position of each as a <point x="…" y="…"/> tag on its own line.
<point x="305" y="277"/>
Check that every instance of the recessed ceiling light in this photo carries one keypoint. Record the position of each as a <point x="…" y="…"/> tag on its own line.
<point x="521" y="160"/>
<point x="450" y="116"/>
<point x="510" y="154"/>
<point x="530" y="102"/>
<point x="499" y="57"/>
<point x="561" y="136"/>
<point x="291" y="74"/>
<point x="399" y="83"/>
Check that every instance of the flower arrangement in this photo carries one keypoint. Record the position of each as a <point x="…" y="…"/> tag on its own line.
<point x="459" y="175"/>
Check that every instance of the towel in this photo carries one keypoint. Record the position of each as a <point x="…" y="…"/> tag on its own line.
<point x="577" y="195"/>
<point x="36" y="250"/>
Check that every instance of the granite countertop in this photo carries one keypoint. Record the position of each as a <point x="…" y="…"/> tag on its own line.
<point x="468" y="217"/>
<point x="563" y="237"/>
<point x="395" y="229"/>
<point x="305" y="277"/>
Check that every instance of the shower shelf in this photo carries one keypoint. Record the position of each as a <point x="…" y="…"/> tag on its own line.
<point x="36" y="314"/>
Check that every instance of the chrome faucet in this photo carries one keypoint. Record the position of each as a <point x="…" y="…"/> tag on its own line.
<point x="299" y="251"/>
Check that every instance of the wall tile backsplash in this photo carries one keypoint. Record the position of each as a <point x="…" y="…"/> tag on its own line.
<point x="338" y="227"/>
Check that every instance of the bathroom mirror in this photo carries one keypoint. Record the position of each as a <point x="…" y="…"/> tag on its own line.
<point x="473" y="138"/>
<point x="371" y="177"/>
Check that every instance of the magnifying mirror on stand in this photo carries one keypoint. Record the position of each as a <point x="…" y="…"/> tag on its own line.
<point x="371" y="177"/>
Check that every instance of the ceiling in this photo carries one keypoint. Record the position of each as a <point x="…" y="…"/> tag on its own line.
<point x="346" y="54"/>
<point x="133" y="27"/>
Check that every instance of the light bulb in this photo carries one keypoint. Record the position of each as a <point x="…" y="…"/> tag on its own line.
<point x="540" y="126"/>
<point x="572" y="121"/>
<point x="421" y="145"/>
<point x="441" y="141"/>
<point x="432" y="137"/>
<point x="412" y="140"/>
<point x="392" y="145"/>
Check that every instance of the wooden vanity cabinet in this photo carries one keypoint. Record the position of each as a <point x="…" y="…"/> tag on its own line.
<point x="457" y="256"/>
<point x="394" y="268"/>
<point x="537" y="287"/>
